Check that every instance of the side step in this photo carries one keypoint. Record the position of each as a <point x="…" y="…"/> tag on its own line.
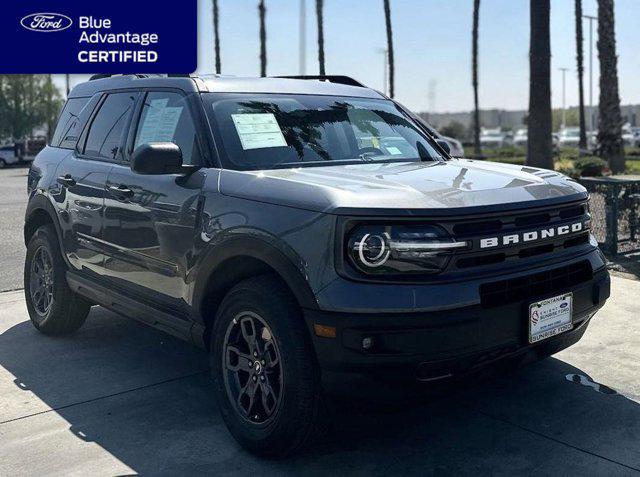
<point x="130" y="308"/>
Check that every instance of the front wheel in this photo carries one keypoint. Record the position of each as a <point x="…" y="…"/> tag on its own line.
<point x="53" y="307"/>
<point x="266" y="377"/>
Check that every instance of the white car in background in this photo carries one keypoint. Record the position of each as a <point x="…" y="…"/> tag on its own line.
<point x="629" y="138"/>
<point x="455" y="146"/>
<point x="521" y="137"/>
<point x="569" y="137"/>
<point x="493" y="138"/>
<point x="8" y="155"/>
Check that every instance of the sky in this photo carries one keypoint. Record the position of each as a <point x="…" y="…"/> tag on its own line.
<point x="432" y="45"/>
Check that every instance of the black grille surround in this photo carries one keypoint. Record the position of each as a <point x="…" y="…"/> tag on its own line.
<point x="534" y="221"/>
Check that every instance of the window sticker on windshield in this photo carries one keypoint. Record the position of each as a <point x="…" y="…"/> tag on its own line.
<point x="160" y="122"/>
<point x="258" y="130"/>
<point x="394" y="151"/>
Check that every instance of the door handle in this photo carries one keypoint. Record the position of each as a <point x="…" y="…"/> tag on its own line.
<point x="66" y="180"/>
<point x="121" y="192"/>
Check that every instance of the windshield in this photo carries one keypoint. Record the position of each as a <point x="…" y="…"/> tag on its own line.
<point x="266" y="131"/>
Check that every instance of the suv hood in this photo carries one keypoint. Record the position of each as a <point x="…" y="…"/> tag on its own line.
<point x="407" y="188"/>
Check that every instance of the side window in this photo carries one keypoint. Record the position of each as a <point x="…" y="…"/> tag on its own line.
<point x="105" y="136"/>
<point x="67" y="122"/>
<point x="165" y="118"/>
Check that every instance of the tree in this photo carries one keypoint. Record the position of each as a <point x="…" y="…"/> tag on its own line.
<point x="216" y="35"/>
<point x="579" y="59"/>
<point x="539" y="143"/>
<point x="26" y="102"/>
<point x="387" y="19"/>
<point x="320" y="19"/>
<point x="454" y="129"/>
<point x="474" y="67"/>
<point x="610" y="129"/>
<point x="262" y="12"/>
<point x="50" y="106"/>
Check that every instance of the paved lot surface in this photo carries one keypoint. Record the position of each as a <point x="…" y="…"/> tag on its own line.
<point x="120" y="398"/>
<point x="13" y="200"/>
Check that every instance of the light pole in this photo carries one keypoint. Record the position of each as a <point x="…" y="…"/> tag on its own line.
<point x="564" y="105"/>
<point x="302" y="45"/>
<point x="591" y="20"/>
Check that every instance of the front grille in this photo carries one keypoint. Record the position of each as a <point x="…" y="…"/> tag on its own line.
<point x="536" y="285"/>
<point x="473" y="230"/>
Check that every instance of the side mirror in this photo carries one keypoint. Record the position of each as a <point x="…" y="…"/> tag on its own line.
<point x="157" y="158"/>
<point x="444" y="145"/>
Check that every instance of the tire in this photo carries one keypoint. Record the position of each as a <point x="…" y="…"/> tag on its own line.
<point x="295" y="396"/>
<point x="3" y="164"/>
<point x="54" y="309"/>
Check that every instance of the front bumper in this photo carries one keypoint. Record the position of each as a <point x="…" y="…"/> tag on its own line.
<point x="430" y="345"/>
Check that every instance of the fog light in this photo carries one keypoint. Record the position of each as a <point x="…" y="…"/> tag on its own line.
<point x="367" y="343"/>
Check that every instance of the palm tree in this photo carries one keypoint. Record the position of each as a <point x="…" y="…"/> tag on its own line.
<point x="216" y="35"/>
<point x="320" y="18"/>
<point x="474" y="67"/>
<point x="262" y="12"/>
<point x="387" y="18"/>
<point x="610" y="128"/>
<point x="579" y="58"/>
<point x="539" y="145"/>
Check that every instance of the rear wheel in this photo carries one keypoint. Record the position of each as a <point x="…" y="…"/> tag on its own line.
<point x="267" y="380"/>
<point x="2" y="164"/>
<point x="53" y="308"/>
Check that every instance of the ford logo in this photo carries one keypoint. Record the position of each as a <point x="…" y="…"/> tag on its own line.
<point x="564" y="305"/>
<point x="46" y="22"/>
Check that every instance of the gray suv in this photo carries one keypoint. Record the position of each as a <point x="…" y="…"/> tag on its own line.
<point x="295" y="227"/>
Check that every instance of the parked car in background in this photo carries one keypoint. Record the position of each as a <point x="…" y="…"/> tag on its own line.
<point x="7" y="155"/>
<point x="455" y="146"/>
<point x="629" y="139"/>
<point x="569" y="137"/>
<point x="520" y="138"/>
<point x="493" y="138"/>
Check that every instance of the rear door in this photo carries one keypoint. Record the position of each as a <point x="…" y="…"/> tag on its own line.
<point x="150" y="220"/>
<point x="82" y="177"/>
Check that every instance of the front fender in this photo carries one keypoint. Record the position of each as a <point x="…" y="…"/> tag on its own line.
<point x="286" y="264"/>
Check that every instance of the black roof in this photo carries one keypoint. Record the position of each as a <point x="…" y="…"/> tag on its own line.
<point x="329" y="85"/>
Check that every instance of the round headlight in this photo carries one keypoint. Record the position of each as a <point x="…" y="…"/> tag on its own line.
<point x="400" y="249"/>
<point x="373" y="249"/>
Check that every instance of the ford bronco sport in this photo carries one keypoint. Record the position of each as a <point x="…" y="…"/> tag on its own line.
<point x="296" y="226"/>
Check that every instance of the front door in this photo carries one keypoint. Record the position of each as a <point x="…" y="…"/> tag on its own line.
<point x="150" y="220"/>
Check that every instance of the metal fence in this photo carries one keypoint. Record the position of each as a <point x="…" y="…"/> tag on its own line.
<point x="615" y="212"/>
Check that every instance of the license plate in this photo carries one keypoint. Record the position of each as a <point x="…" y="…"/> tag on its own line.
<point x="550" y="317"/>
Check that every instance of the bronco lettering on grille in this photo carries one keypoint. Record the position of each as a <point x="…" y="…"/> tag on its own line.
<point x="531" y="236"/>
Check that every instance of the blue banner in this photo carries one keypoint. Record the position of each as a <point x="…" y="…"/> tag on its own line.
<point x="110" y="36"/>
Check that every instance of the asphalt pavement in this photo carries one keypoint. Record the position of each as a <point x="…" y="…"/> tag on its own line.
<point x="120" y="398"/>
<point x="13" y="201"/>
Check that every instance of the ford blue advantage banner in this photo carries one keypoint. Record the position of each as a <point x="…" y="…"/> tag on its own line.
<point x="98" y="36"/>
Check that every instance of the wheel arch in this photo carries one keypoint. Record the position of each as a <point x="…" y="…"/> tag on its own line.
<point x="39" y="212"/>
<point x="236" y="259"/>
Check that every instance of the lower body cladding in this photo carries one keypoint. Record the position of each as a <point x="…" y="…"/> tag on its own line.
<point x="440" y="344"/>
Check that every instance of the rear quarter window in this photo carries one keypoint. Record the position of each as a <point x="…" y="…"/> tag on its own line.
<point x="73" y="117"/>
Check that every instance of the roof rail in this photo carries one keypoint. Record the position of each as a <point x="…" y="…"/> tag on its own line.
<point x="102" y="76"/>
<point x="97" y="77"/>
<point x="340" y="79"/>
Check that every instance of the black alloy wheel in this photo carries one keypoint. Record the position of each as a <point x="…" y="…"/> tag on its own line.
<point x="252" y="368"/>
